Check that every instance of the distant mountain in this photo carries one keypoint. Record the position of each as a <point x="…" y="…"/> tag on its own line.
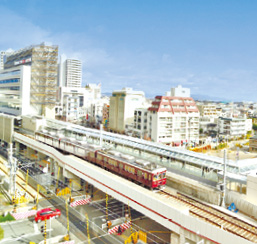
<point x="107" y="94"/>
<point x="202" y="97"/>
<point x="199" y="97"/>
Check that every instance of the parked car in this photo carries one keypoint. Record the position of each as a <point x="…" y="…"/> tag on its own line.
<point x="47" y="213"/>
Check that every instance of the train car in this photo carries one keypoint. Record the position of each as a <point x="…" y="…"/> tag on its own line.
<point x="140" y="171"/>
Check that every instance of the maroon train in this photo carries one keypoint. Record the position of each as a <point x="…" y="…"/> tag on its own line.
<point x="145" y="173"/>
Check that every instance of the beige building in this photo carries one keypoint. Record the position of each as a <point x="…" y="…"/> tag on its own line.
<point x="253" y="144"/>
<point x="122" y="106"/>
<point x="207" y="110"/>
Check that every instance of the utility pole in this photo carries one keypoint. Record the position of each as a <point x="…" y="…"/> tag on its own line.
<point x="189" y="123"/>
<point x="224" y="179"/>
<point x="45" y="233"/>
<point x="101" y="134"/>
<point x="67" y="237"/>
<point x="88" y="234"/>
<point x="13" y="169"/>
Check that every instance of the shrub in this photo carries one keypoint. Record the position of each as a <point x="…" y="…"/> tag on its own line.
<point x="8" y="217"/>
<point x="1" y="233"/>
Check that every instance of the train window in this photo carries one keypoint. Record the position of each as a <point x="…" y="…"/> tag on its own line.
<point x="150" y="177"/>
<point x="99" y="156"/>
<point x="126" y="167"/>
<point x="139" y="173"/>
<point x="133" y="170"/>
<point x="164" y="175"/>
<point x="145" y="176"/>
<point x="155" y="178"/>
<point x="121" y="166"/>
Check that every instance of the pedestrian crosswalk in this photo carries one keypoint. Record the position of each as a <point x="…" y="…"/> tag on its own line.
<point x="80" y="202"/>
<point x="123" y="226"/>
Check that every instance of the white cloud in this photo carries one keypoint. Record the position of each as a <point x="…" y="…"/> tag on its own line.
<point x="18" y="32"/>
<point x="154" y="74"/>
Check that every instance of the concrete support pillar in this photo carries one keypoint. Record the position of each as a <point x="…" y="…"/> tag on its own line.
<point x="174" y="238"/>
<point x="29" y="152"/>
<point x="17" y="146"/>
<point x="52" y="166"/>
<point x="61" y="175"/>
<point x="56" y="166"/>
<point x="182" y="238"/>
<point x="178" y="238"/>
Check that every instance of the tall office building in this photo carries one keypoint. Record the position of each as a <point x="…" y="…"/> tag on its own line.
<point x="42" y="84"/>
<point x="70" y="72"/>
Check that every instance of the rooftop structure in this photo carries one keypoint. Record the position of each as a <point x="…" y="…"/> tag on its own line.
<point x="180" y="91"/>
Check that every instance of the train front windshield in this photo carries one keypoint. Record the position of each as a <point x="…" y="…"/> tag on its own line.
<point x="159" y="176"/>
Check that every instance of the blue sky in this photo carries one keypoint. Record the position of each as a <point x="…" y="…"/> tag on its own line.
<point x="149" y="45"/>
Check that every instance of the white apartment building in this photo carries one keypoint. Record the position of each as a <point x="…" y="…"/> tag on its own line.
<point x="208" y="118"/>
<point x="122" y="106"/>
<point x="74" y="102"/>
<point x="139" y="127"/>
<point x="208" y="110"/>
<point x="70" y="72"/>
<point x="173" y="120"/>
<point x="96" y="110"/>
<point x="234" y="127"/>
<point x="15" y="91"/>
<point x="70" y="108"/>
<point x="94" y="90"/>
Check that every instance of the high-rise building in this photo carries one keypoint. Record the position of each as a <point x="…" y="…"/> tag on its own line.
<point x="70" y="72"/>
<point x="122" y="106"/>
<point x="42" y="59"/>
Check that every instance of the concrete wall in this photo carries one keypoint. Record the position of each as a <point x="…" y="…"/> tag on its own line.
<point x="6" y="128"/>
<point x="193" y="188"/>
<point x="242" y="203"/>
<point x="251" y="192"/>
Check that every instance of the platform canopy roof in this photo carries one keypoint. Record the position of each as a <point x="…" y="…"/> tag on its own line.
<point x="242" y="167"/>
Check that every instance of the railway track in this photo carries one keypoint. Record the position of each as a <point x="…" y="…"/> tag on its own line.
<point x="214" y="216"/>
<point x="20" y="184"/>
